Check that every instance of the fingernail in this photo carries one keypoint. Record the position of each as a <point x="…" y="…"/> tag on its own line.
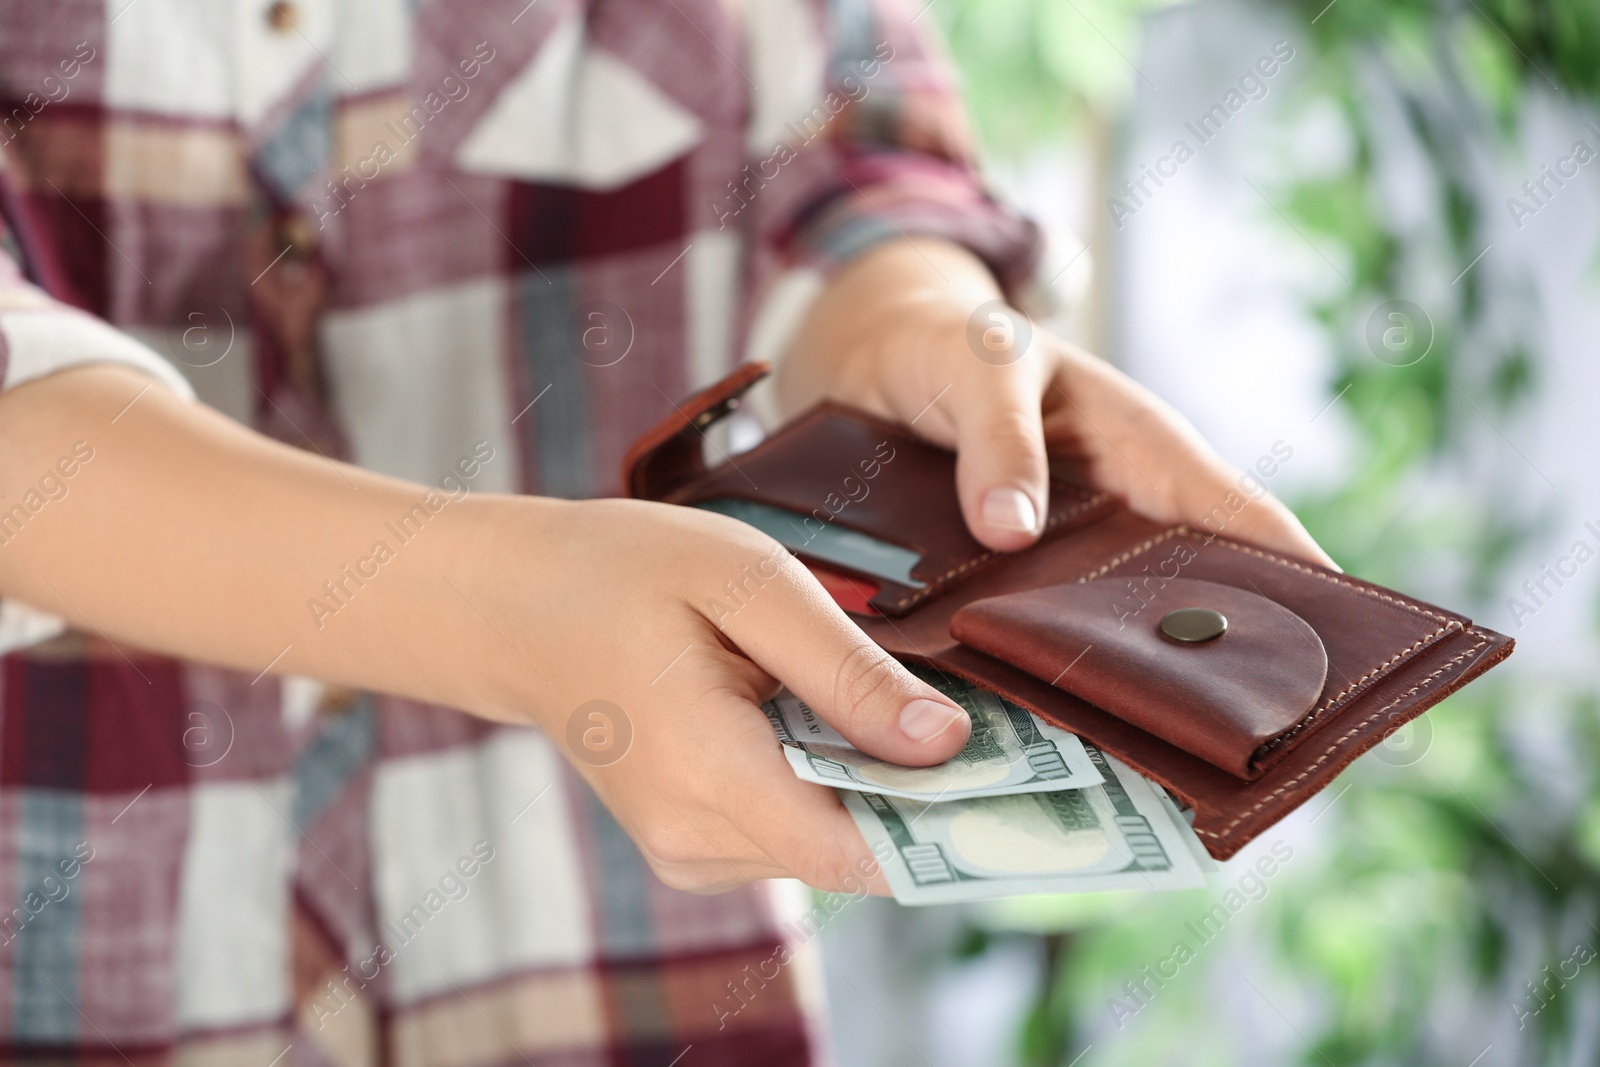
<point x="1010" y="509"/>
<point x="923" y="720"/>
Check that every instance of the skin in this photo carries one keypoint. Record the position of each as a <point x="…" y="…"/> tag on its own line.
<point x="521" y="609"/>
<point x="890" y="334"/>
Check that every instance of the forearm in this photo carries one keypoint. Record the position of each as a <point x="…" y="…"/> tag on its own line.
<point x="188" y="535"/>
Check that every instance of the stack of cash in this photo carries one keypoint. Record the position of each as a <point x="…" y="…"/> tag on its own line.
<point x="1024" y="808"/>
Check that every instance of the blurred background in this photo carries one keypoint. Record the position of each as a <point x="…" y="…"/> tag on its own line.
<point x="1385" y="257"/>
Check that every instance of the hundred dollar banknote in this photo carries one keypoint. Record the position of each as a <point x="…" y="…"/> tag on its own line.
<point x="1183" y="817"/>
<point x="1010" y="751"/>
<point x="1117" y="835"/>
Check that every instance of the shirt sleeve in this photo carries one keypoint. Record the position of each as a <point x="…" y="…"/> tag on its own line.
<point x="39" y="336"/>
<point x="883" y="153"/>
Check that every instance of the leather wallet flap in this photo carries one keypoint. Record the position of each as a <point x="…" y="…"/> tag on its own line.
<point x="840" y="468"/>
<point x="1243" y="673"/>
<point x="670" y="452"/>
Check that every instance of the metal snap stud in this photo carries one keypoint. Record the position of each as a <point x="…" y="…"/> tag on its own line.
<point x="1194" y="625"/>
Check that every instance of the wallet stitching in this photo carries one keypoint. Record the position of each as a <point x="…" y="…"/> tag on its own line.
<point x="1446" y="624"/>
<point x="1185" y="528"/>
<point x="1426" y="639"/>
<point x="1227" y="831"/>
<point x="934" y="585"/>
<point x="1329" y="704"/>
<point x="1338" y="580"/>
<point x="1130" y="553"/>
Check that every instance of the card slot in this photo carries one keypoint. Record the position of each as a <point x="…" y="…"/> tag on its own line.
<point x="842" y="467"/>
<point x="827" y="543"/>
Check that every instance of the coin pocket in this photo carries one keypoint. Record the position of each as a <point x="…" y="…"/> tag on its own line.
<point x="1215" y="670"/>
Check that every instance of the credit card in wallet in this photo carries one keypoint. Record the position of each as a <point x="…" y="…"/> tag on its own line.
<point x="826" y="542"/>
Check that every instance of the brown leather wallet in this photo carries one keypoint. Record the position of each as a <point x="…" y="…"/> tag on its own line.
<point x="1313" y="667"/>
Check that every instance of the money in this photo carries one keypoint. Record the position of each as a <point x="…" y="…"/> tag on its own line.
<point x="1010" y="751"/>
<point x="1183" y="819"/>
<point x="1117" y="835"/>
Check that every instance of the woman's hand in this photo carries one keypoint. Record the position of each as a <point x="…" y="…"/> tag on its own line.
<point x="261" y="557"/>
<point x="682" y="622"/>
<point x="891" y="334"/>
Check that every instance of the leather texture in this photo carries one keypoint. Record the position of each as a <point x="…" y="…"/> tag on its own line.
<point x="1386" y="658"/>
<point x="672" y="452"/>
<point x="871" y="476"/>
<point x="1222" y="699"/>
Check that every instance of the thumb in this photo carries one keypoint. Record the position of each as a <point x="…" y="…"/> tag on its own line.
<point x="1002" y="474"/>
<point x="795" y="632"/>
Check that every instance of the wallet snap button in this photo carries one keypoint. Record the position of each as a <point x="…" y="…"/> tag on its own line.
<point x="1194" y="625"/>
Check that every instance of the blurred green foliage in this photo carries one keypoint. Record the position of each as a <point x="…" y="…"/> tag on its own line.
<point x="1035" y="69"/>
<point x="1405" y="930"/>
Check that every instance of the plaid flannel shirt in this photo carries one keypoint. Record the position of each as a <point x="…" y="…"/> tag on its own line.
<point x="403" y="232"/>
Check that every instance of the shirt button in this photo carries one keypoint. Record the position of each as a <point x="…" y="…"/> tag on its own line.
<point x="336" y="700"/>
<point x="296" y="232"/>
<point x="283" y="16"/>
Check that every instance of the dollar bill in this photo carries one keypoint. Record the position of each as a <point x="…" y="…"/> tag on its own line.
<point x="1117" y="835"/>
<point x="1010" y="751"/>
<point x="1184" y="819"/>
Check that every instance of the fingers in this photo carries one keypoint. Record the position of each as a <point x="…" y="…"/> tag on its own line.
<point x="795" y="632"/>
<point x="805" y="829"/>
<point x="1002" y="472"/>
<point x="1140" y="448"/>
<point x="748" y="817"/>
<point x="1210" y="501"/>
<point x="841" y="864"/>
<point x="1268" y="523"/>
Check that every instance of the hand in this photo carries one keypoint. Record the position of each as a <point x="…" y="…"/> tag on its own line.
<point x="890" y="335"/>
<point x="508" y="607"/>
<point x="629" y="602"/>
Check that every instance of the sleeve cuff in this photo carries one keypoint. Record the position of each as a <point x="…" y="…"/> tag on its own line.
<point x="895" y="195"/>
<point x="35" y="342"/>
<point x="22" y="626"/>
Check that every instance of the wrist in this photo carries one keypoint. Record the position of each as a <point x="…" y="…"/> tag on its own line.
<point x="492" y="596"/>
